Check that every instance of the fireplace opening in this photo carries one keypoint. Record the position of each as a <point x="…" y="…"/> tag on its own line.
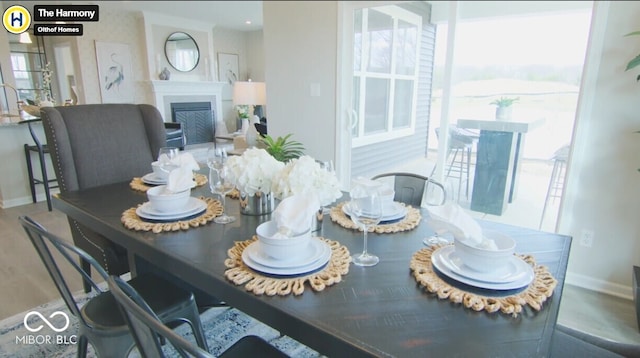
<point x="197" y="120"/>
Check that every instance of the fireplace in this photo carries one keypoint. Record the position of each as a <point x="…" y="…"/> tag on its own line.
<point x="208" y="109"/>
<point x="197" y="120"/>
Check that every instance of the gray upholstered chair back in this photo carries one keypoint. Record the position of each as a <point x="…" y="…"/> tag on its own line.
<point x="99" y="144"/>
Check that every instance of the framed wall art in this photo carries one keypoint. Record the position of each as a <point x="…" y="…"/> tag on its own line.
<point x="228" y="67"/>
<point x="114" y="72"/>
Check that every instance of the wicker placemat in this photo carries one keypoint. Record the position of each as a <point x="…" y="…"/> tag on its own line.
<point x="139" y="185"/>
<point x="132" y="221"/>
<point x="240" y="274"/>
<point x="234" y="194"/>
<point x="409" y="222"/>
<point x="533" y="296"/>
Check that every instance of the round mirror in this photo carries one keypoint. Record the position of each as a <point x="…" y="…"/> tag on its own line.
<point x="182" y="51"/>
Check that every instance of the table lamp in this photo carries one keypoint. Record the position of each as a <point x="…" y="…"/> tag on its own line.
<point x="251" y="94"/>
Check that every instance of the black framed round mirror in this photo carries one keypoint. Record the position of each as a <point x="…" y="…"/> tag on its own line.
<point x="182" y="51"/>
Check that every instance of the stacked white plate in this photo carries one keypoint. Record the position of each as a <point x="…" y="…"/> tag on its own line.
<point x="316" y="257"/>
<point x="153" y="179"/>
<point x="194" y="206"/>
<point x="394" y="212"/>
<point x="516" y="274"/>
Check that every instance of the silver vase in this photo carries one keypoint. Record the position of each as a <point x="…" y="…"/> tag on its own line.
<point x="258" y="204"/>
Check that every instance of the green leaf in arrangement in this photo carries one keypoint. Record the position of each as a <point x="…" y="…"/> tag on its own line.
<point x="283" y="149"/>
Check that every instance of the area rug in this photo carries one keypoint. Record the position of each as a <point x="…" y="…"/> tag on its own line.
<point x="223" y="326"/>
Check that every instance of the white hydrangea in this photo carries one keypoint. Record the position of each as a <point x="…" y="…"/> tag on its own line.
<point x="305" y="176"/>
<point x="253" y="171"/>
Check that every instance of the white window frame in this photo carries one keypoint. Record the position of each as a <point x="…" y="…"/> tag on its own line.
<point x="361" y="139"/>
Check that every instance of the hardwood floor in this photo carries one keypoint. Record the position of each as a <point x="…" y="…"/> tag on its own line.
<point x="24" y="280"/>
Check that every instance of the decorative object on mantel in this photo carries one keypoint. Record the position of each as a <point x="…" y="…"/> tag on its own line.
<point x="253" y="281"/>
<point x="409" y="222"/>
<point x="164" y="74"/>
<point x="534" y="296"/>
<point x="139" y="185"/>
<point x="132" y="221"/>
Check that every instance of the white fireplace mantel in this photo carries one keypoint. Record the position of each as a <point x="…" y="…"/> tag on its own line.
<point x="167" y="92"/>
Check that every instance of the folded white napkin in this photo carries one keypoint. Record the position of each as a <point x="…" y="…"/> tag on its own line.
<point x="183" y="160"/>
<point x="454" y="219"/>
<point x="294" y="214"/>
<point x="361" y="186"/>
<point x="180" y="179"/>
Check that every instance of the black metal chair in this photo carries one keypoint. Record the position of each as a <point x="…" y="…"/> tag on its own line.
<point x="461" y="146"/>
<point x="101" y="322"/>
<point x="410" y="188"/>
<point x="148" y="329"/>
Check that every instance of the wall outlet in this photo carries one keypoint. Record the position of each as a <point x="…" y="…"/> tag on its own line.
<point x="586" y="239"/>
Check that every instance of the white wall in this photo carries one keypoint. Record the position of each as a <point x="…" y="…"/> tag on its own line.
<point x="603" y="187"/>
<point x="300" y="51"/>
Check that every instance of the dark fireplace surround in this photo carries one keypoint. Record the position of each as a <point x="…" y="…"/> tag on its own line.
<point x="197" y="120"/>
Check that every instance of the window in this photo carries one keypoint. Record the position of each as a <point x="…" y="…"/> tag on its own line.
<point x="386" y="50"/>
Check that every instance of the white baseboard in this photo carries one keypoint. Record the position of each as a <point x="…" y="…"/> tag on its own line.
<point x="24" y="200"/>
<point x="609" y="288"/>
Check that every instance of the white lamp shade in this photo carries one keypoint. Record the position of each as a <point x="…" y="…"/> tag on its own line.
<point x="249" y="93"/>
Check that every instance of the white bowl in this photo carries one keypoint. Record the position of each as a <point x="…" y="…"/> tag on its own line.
<point x="159" y="173"/>
<point x="281" y="248"/>
<point x="483" y="259"/>
<point x="165" y="201"/>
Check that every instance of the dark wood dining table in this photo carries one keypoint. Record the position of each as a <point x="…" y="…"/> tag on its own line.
<point x="374" y="311"/>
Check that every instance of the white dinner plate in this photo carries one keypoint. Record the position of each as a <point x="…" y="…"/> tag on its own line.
<point x="521" y="280"/>
<point x="194" y="206"/>
<point x="288" y="271"/>
<point x="316" y="250"/>
<point x="515" y="269"/>
<point x="397" y="212"/>
<point x="153" y="179"/>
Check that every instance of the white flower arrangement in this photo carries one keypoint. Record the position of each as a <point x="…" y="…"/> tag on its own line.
<point x="305" y="176"/>
<point x="243" y="110"/>
<point x="253" y="171"/>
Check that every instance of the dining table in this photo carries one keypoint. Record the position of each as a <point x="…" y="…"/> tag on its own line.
<point x="378" y="311"/>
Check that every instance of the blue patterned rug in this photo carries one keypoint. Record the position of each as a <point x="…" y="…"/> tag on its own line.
<point x="222" y="326"/>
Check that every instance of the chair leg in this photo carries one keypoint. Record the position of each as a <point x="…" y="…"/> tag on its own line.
<point x="552" y="179"/>
<point x="82" y="346"/>
<point x="45" y="178"/>
<point x="196" y="326"/>
<point x="86" y="267"/>
<point x="32" y="185"/>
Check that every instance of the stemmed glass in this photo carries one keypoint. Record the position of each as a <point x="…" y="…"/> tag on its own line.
<point x="436" y="196"/>
<point x="219" y="180"/>
<point x="167" y="158"/>
<point x="366" y="212"/>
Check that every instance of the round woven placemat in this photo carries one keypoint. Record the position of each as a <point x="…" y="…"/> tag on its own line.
<point x="241" y="274"/>
<point x="139" y="185"/>
<point x="533" y="296"/>
<point x="132" y="221"/>
<point x="410" y="221"/>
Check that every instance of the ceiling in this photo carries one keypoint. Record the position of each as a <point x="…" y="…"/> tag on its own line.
<point x="225" y="14"/>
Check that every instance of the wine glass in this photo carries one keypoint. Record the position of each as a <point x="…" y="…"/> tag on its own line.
<point x="436" y="196"/>
<point x="219" y="184"/>
<point x="366" y="212"/>
<point x="216" y="157"/>
<point x="168" y="159"/>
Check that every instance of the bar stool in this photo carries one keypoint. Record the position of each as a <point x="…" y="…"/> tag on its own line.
<point x="41" y="149"/>
<point x="556" y="182"/>
<point x="461" y="143"/>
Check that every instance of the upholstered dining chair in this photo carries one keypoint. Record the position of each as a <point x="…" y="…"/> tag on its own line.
<point x="409" y="187"/>
<point x="100" y="321"/>
<point x="99" y="144"/>
<point x="147" y="330"/>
